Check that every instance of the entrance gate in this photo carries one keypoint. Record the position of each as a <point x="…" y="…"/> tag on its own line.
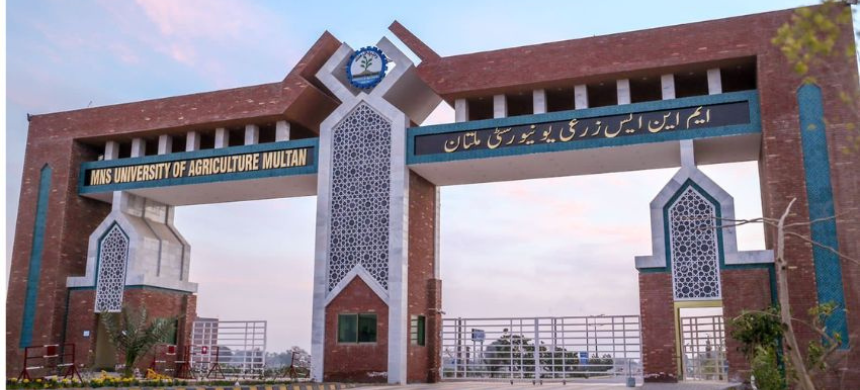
<point x="347" y="126"/>
<point x="538" y="349"/>
<point x="703" y="339"/>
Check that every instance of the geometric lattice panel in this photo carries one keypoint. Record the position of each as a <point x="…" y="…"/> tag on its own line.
<point x="113" y="257"/>
<point x="694" y="248"/>
<point x="360" y="192"/>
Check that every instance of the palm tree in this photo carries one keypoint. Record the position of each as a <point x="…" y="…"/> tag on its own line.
<point x="134" y="335"/>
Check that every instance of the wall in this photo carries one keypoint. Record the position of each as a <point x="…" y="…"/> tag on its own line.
<point x="159" y="304"/>
<point x="70" y="220"/>
<point x="656" y="309"/>
<point x="422" y="300"/>
<point x="744" y="289"/>
<point x="356" y="362"/>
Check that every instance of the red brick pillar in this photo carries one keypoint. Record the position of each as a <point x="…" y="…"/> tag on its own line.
<point x="743" y="289"/>
<point x="434" y="331"/>
<point x="657" y="310"/>
<point x="424" y="293"/>
<point x="60" y="246"/>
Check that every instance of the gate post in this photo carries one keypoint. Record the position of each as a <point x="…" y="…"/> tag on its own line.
<point x="536" y="351"/>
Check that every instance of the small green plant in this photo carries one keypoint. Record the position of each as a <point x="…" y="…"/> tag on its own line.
<point x="759" y="333"/>
<point x="133" y="334"/>
<point x="756" y="330"/>
<point x="765" y="369"/>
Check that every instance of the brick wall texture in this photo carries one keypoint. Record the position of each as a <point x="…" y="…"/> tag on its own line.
<point x="356" y="362"/>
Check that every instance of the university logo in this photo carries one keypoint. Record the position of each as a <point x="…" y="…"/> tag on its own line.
<point x="366" y="67"/>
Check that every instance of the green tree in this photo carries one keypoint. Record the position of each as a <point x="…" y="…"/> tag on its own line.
<point x="803" y="371"/>
<point x="510" y="352"/>
<point x="813" y="43"/>
<point x="134" y="334"/>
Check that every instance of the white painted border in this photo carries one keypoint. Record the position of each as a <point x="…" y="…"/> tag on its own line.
<point x="727" y="210"/>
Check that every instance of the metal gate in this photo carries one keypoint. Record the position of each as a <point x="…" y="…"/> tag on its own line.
<point x="234" y="348"/>
<point x="537" y="349"/>
<point x="703" y="340"/>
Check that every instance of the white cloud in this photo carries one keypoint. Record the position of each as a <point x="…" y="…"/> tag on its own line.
<point x="211" y="19"/>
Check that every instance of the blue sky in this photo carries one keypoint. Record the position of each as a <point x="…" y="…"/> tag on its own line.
<point x="68" y="55"/>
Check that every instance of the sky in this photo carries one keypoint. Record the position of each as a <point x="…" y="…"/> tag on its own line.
<point x="551" y="247"/>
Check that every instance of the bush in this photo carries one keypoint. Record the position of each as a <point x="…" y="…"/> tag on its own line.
<point x="765" y="370"/>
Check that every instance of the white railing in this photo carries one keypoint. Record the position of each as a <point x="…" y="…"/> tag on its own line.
<point x="704" y="341"/>
<point x="228" y="348"/>
<point x="602" y="348"/>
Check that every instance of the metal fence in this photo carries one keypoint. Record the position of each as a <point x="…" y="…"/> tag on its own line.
<point x="228" y="347"/>
<point x="704" y="348"/>
<point x="541" y="349"/>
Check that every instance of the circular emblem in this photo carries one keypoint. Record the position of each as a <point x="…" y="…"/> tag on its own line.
<point x="366" y="67"/>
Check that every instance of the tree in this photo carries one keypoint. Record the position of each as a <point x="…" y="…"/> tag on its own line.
<point x="511" y="352"/>
<point x="812" y="43"/>
<point x="804" y="367"/>
<point x="132" y="333"/>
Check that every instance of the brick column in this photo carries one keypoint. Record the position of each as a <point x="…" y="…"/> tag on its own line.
<point x="61" y="247"/>
<point x="659" y="356"/>
<point x="743" y="289"/>
<point x="424" y="298"/>
<point x="434" y="331"/>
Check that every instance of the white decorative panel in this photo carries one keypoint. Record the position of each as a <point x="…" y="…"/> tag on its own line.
<point x="360" y="192"/>
<point x="693" y="247"/>
<point x="110" y="282"/>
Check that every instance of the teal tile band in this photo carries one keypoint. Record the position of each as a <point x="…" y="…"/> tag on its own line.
<point x="819" y="195"/>
<point x="35" y="266"/>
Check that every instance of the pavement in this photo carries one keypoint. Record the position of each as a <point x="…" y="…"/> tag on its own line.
<point x="554" y="386"/>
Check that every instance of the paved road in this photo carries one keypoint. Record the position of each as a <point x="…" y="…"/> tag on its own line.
<point x="552" y="386"/>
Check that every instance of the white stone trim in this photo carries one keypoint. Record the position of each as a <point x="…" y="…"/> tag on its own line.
<point x="667" y="86"/>
<point x="329" y="75"/>
<point x="358" y="272"/>
<point x="580" y="97"/>
<point x="688" y="155"/>
<point x="282" y="131"/>
<point x="111" y="150"/>
<point x="727" y="211"/>
<point x="715" y="81"/>
<point x="165" y="144"/>
<point x="500" y="106"/>
<point x="252" y="134"/>
<point x="461" y="110"/>
<point x="222" y="138"/>
<point x="623" y="88"/>
<point x="539" y="101"/>
<point x="145" y="246"/>
<point x="138" y="147"/>
<point x="192" y="141"/>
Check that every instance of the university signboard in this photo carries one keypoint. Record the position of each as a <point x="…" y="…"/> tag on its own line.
<point x="578" y="129"/>
<point x="687" y="118"/>
<point x="235" y="163"/>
